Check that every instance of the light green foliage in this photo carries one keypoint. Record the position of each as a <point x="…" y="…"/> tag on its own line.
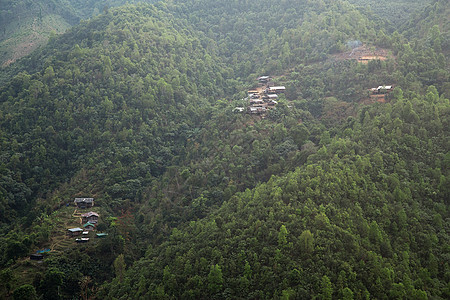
<point x="282" y="236"/>
<point x="306" y="242"/>
<point x="215" y="279"/>
<point x="119" y="267"/>
<point x="327" y="288"/>
<point x="347" y="294"/>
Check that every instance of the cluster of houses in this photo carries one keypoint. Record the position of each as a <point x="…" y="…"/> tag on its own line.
<point x="262" y="99"/>
<point x="88" y="220"/>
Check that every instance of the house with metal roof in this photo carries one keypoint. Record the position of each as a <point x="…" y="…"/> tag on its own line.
<point x="263" y="79"/>
<point x="84" y="203"/>
<point x="275" y="90"/>
<point x="91" y="217"/>
<point x="82" y="240"/>
<point x="74" y="231"/>
<point x="89" y="226"/>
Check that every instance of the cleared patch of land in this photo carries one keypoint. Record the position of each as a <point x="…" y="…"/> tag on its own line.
<point x="28" y="35"/>
<point x="364" y="54"/>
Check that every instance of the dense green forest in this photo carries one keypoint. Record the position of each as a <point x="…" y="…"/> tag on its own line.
<point x="335" y="194"/>
<point x="356" y="215"/>
<point x="395" y="12"/>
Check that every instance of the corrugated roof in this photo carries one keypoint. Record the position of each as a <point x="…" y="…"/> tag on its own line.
<point x="89" y="214"/>
<point x="86" y="200"/>
<point x="75" y="229"/>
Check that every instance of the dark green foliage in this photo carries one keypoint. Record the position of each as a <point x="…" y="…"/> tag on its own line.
<point x="324" y="197"/>
<point x="362" y="215"/>
<point x="51" y="284"/>
<point x="87" y="100"/>
<point x="396" y="12"/>
<point x="25" y="292"/>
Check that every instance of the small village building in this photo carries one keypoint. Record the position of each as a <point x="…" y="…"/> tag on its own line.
<point x="43" y="251"/>
<point x="256" y="110"/>
<point x="256" y="102"/>
<point x="382" y="89"/>
<point x="91" y="217"/>
<point x="74" y="231"/>
<point x="275" y="90"/>
<point x="264" y="79"/>
<point x="84" y="203"/>
<point x="102" y="235"/>
<point x="270" y="97"/>
<point x="36" y="256"/>
<point x="272" y="103"/>
<point x="251" y="93"/>
<point x="89" y="226"/>
<point x="82" y="240"/>
<point x="239" y="109"/>
<point x="85" y="233"/>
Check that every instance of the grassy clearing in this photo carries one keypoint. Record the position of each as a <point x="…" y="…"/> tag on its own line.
<point x="28" y="35"/>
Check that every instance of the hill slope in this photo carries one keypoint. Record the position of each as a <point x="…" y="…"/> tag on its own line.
<point x="396" y="12"/>
<point x="364" y="217"/>
<point x="322" y="196"/>
<point x="109" y="84"/>
<point x="27" y="25"/>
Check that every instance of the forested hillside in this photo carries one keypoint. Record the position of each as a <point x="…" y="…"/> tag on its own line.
<point x="27" y="25"/>
<point x="396" y="12"/>
<point x="336" y="193"/>
<point x="432" y="25"/>
<point x="364" y="218"/>
<point x="102" y="89"/>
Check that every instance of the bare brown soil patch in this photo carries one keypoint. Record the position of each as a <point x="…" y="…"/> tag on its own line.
<point x="364" y="54"/>
<point x="374" y="99"/>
